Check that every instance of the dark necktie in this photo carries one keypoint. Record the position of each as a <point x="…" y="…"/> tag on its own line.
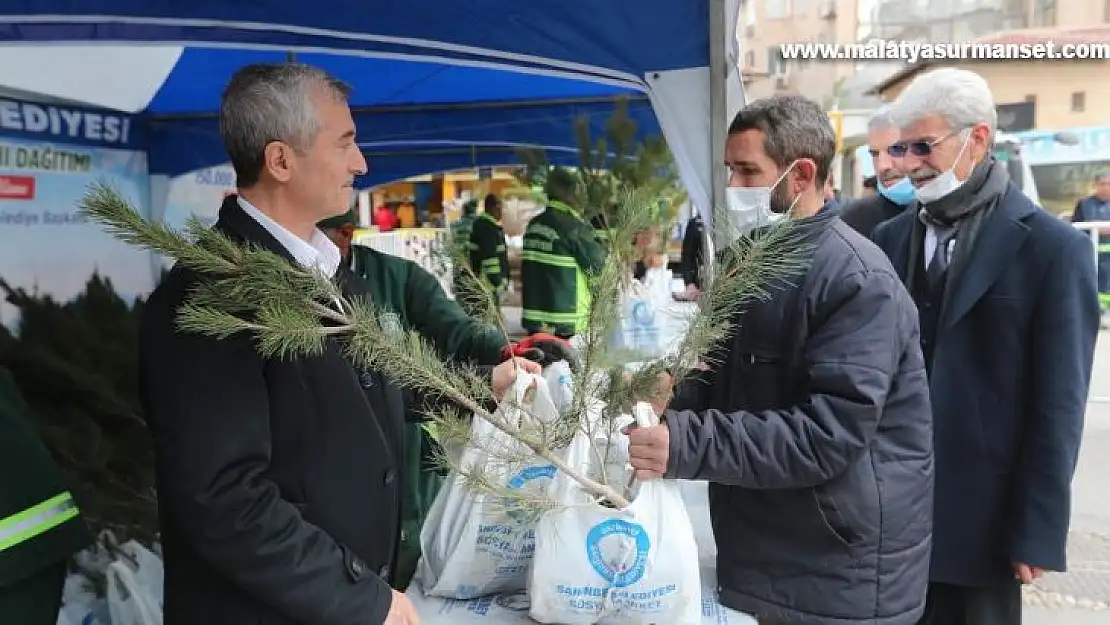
<point x="938" y="266"/>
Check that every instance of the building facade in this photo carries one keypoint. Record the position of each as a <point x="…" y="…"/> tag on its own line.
<point x="1058" y="94"/>
<point x="767" y="24"/>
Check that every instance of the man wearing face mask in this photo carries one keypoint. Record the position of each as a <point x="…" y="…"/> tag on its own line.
<point x="895" y="191"/>
<point x="820" y="512"/>
<point x="1009" y="317"/>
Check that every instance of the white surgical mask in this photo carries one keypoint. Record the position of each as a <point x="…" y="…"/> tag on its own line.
<point x="944" y="184"/>
<point x="750" y="207"/>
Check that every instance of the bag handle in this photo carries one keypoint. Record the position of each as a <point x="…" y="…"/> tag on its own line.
<point x="523" y="387"/>
<point x="645" y="417"/>
<point x="524" y="393"/>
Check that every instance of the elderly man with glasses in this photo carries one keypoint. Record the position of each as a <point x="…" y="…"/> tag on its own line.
<point x="1009" y="316"/>
<point x="893" y="189"/>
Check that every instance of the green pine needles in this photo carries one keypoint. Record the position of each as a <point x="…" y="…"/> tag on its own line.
<point x="291" y="311"/>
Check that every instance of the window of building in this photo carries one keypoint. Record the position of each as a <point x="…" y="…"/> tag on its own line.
<point x="749" y="58"/>
<point x="801" y="7"/>
<point x="1044" y="13"/>
<point x="1079" y="101"/>
<point x="778" y="9"/>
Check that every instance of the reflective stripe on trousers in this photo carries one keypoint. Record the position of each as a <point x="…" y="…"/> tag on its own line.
<point x="36" y="520"/>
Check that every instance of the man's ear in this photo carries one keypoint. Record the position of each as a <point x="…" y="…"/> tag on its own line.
<point x="277" y="159"/>
<point x="981" y="137"/>
<point x="805" y="173"/>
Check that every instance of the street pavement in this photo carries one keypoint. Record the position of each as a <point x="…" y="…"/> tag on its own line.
<point x="1082" y="595"/>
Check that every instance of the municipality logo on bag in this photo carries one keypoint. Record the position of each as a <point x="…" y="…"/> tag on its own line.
<point x="518" y="481"/>
<point x="605" y="548"/>
<point x="532" y="473"/>
<point x="642" y="313"/>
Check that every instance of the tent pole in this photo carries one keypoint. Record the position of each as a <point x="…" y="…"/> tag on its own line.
<point x="718" y="99"/>
<point x="718" y="126"/>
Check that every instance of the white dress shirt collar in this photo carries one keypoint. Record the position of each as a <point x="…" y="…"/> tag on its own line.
<point x="319" y="254"/>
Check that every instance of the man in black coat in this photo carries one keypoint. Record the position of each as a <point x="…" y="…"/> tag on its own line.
<point x="813" y="425"/>
<point x="1009" y="318"/>
<point x="693" y="253"/>
<point x="279" y="480"/>
<point x="894" y="189"/>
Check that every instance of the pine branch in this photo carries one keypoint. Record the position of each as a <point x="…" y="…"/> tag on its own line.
<point x="748" y="271"/>
<point x="290" y="311"/>
<point x="277" y="303"/>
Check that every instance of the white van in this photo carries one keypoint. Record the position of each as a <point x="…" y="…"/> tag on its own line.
<point x="1007" y="149"/>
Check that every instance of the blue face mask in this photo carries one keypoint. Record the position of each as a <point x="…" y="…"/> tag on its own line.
<point x="901" y="192"/>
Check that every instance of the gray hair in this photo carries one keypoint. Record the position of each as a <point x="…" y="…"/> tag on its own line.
<point x="881" y="119"/>
<point x="271" y="102"/>
<point x="960" y="97"/>
<point x="793" y="128"/>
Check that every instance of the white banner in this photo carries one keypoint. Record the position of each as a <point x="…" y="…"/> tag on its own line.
<point x="48" y="158"/>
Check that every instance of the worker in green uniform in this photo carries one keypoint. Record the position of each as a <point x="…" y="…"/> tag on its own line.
<point x="418" y="303"/>
<point x="468" y="256"/>
<point x="40" y="525"/>
<point x="486" y="251"/>
<point x="600" y="224"/>
<point x="460" y="230"/>
<point x="560" y="255"/>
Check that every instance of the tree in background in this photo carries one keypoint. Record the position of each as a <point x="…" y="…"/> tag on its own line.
<point x="76" y="366"/>
<point x="610" y="165"/>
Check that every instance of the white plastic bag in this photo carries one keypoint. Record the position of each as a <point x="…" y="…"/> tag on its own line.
<point x="657" y="282"/>
<point x="472" y="546"/>
<point x="618" y="567"/>
<point x="639" y="329"/>
<point x="80" y="605"/>
<point x="135" y="587"/>
<point x="560" y="383"/>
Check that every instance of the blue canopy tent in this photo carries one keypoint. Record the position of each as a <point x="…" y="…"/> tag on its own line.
<point x="395" y="103"/>
<point x="479" y="76"/>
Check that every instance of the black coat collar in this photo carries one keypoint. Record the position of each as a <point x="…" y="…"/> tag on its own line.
<point x="235" y="223"/>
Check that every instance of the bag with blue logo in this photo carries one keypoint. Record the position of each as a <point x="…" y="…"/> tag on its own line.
<point x="599" y="565"/>
<point x="640" y="329"/>
<point x="472" y="544"/>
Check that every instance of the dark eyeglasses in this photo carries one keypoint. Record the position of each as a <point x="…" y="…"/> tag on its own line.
<point x="919" y="148"/>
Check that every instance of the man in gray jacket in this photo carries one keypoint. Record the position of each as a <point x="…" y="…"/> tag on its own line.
<point x="814" y="428"/>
